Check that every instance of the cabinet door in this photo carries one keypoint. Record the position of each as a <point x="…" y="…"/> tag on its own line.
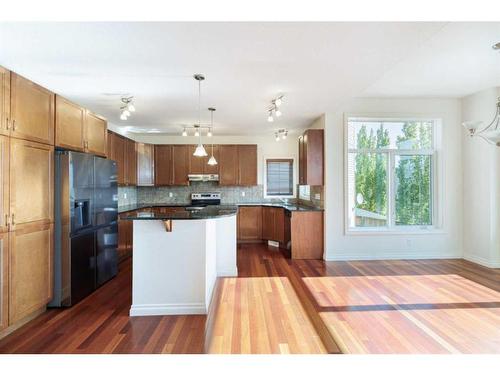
<point x="131" y="162"/>
<point x="163" y="165"/>
<point x="69" y="125"/>
<point x="250" y="223"/>
<point x="212" y="169"/>
<point x="124" y="239"/>
<point x="4" y="280"/>
<point x="4" y="184"/>
<point x="196" y="163"/>
<point x="118" y="154"/>
<point x="228" y="165"/>
<point x="279" y="224"/>
<point x="145" y="164"/>
<point x="247" y="165"/>
<point x="96" y="130"/>
<point x="32" y="111"/>
<point x="268" y="223"/>
<point x="4" y="101"/>
<point x="180" y="157"/>
<point x="31" y="273"/>
<point x="301" y="160"/>
<point x="31" y="183"/>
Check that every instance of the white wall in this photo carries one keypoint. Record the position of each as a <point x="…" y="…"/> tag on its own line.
<point x="266" y="146"/>
<point x="445" y="243"/>
<point x="481" y="185"/>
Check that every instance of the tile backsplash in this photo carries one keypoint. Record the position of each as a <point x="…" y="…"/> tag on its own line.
<point x="182" y="194"/>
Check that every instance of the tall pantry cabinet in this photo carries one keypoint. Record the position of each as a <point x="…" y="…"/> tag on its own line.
<point x="26" y="198"/>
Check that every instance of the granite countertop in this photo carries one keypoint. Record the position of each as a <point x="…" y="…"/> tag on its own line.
<point x="289" y="207"/>
<point x="173" y="212"/>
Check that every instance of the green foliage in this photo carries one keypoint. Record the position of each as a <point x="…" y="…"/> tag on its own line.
<point x="412" y="173"/>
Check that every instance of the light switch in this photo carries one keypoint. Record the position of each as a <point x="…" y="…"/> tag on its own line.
<point x="317" y="196"/>
<point x="170" y="194"/>
<point x="242" y="193"/>
<point x="124" y="195"/>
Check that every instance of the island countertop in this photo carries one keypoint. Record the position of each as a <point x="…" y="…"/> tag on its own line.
<point x="149" y="212"/>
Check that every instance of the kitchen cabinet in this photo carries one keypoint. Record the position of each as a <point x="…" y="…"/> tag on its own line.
<point x="273" y="224"/>
<point x="31" y="270"/>
<point x="247" y="165"/>
<point x="31" y="183"/>
<point x="4" y="281"/>
<point x="32" y="111"/>
<point x="228" y="165"/>
<point x="130" y="162"/>
<point x="145" y="164"/>
<point x="196" y="163"/>
<point x="4" y="183"/>
<point x="125" y="239"/>
<point x="311" y="155"/>
<point x="70" y="122"/>
<point x="95" y="133"/>
<point x="249" y="223"/>
<point x="180" y="160"/>
<point x="163" y="165"/>
<point x="4" y="101"/>
<point x="117" y="153"/>
<point x="306" y="234"/>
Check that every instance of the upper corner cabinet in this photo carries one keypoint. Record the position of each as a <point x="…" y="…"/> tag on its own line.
<point x="4" y="101"/>
<point x="32" y="111"/>
<point x="311" y="155"/>
<point x="69" y="127"/>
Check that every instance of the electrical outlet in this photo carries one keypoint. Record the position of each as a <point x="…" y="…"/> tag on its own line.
<point x="317" y="196"/>
<point x="242" y="193"/>
<point x="170" y="194"/>
<point x="124" y="195"/>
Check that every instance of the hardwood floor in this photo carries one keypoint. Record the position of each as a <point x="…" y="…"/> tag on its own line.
<point x="364" y="306"/>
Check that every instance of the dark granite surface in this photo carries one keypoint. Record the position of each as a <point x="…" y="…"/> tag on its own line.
<point x="222" y="208"/>
<point x="177" y="213"/>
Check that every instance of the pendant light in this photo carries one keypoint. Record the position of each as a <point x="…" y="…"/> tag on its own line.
<point x="200" y="150"/>
<point x="212" y="160"/>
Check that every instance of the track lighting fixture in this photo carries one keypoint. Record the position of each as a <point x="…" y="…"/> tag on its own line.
<point x="196" y="132"/>
<point x="280" y="134"/>
<point x="273" y="108"/>
<point x="127" y="107"/>
<point x="184" y="133"/>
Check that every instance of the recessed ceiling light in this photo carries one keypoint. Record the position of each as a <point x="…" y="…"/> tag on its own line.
<point x="496" y="46"/>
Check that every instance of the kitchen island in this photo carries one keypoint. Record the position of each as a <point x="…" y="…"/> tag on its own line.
<point x="178" y="254"/>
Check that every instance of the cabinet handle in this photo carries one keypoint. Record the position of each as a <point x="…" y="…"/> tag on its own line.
<point x="14" y="125"/>
<point x="6" y="220"/>
<point x="7" y="123"/>
<point x="13" y="222"/>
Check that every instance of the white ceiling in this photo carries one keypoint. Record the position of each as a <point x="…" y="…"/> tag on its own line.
<point x="316" y="66"/>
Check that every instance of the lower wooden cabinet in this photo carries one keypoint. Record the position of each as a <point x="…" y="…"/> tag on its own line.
<point x="4" y="281"/>
<point x="250" y="223"/>
<point x="306" y="235"/>
<point x="273" y="224"/>
<point x="125" y="239"/>
<point x="30" y="270"/>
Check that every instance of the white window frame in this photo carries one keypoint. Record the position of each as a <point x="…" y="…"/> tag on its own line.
<point x="437" y="177"/>
<point x="294" y="178"/>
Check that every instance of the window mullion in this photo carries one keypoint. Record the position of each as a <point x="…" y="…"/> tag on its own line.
<point x="390" y="187"/>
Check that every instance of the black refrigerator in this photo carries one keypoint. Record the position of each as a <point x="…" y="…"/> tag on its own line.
<point x="86" y="229"/>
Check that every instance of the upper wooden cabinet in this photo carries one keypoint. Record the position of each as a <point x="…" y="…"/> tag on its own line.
<point x="32" y="111"/>
<point x="163" y="165"/>
<point x="117" y="153"/>
<point x="4" y="183"/>
<point x="311" y="157"/>
<point x="145" y="164"/>
<point x="247" y="165"/>
<point x="228" y="164"/>
<point x="70" y="122"/>
<point x="4" y="281"/>
<point x="31" y="270"/>
<point x="130" y="162"/>
<point x="4" y="101"/>
<point x="95" y="134"/>
<point x="31" y="183"/>
<point x="180" y="160"/>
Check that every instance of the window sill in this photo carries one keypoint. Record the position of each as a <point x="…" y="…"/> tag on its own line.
<point x="392" y="232"/>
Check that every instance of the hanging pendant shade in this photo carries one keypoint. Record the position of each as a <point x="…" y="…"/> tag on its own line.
<point x="200" y="151"/>
<point x="212" y="160"/>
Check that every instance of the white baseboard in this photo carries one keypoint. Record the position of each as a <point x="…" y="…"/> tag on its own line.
<point x="168" y="309"/>
<point x="227" y="272"/>
<point x="390" y="256"/>
<point x="482" y="261"/>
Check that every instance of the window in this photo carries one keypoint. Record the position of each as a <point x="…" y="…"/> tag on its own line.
<point x="279" y="177"/>
<point x="390" y="173"/>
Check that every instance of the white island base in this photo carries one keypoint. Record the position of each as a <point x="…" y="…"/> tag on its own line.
<point x="174" y="273"/>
